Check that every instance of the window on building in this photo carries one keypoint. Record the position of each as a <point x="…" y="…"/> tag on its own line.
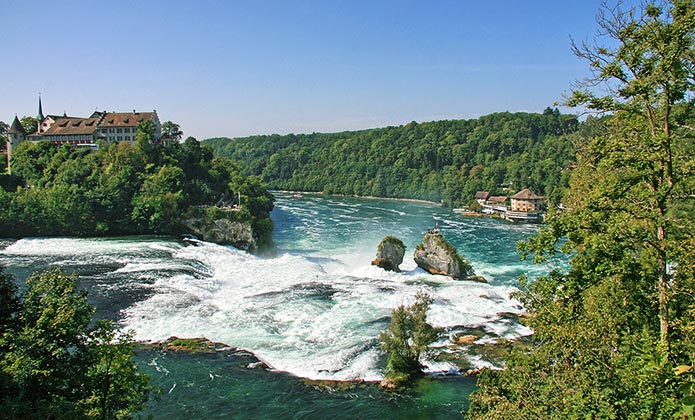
<point x="120" y="138"/>
<point x="119" y="130"/>
<point x="110" y="130"/>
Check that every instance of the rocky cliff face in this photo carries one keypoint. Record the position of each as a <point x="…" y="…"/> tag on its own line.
<point x="437" y="256"/>
<point x="390" y="254"/>
<point x="224" y="232"/>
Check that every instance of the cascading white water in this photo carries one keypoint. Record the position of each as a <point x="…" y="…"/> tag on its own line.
<point x="317" y="309"/>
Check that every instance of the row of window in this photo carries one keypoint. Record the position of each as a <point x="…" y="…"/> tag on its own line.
<point x="118" y="130"/>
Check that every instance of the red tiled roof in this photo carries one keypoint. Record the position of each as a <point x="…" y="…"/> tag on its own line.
<point x="72" y="125"/>
<point x="124" y="119"/>
<point x="482" y="195"/>
<point x="526" y="194"/>
<point x="497" y="199"/>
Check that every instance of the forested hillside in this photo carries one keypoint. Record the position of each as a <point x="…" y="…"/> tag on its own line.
<point x="120" y="189"/>
<point x="440" y="161"/>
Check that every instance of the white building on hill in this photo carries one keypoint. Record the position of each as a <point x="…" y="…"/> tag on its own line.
<point x="79" y="131"/>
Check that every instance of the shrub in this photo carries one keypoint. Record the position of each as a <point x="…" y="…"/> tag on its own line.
<point x="407" y="339"/>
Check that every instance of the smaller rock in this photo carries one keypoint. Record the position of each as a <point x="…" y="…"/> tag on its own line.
<point x="390" y="254"/>
<point x="473" y="372"/>
<point x="466" y="339"/>
<point x="258" y="365"/>
<point x="479" y="279"/>
<point x="387" y="384"/>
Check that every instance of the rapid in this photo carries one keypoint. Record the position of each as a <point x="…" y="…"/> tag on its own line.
<point x="315" y="310"/>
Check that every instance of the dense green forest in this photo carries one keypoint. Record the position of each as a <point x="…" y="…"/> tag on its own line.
<point x="444" y="161"/>
<point x="123" y="188"/>
<point x="614" y="336"/>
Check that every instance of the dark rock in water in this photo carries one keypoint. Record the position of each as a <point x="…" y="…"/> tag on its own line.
<point x="258" y="365"/>
<point x="222" y="231"/>
<point x="389" y="254"/>
<point x="436" y="256"/>
<point x="190" y="345"/>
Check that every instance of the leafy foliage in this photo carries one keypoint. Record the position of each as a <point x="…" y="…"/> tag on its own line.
<point x="54" y="365"/>
<point x="614" y="335"/>
<point x="30" y="124"/>
<point x="407" y="339"/>
<point x="440" y="161"/>
<point x="124" y="189"/>
<point x="171" y="131"/>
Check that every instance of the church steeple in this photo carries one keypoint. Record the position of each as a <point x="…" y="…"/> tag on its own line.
<point x="40" y="115"/>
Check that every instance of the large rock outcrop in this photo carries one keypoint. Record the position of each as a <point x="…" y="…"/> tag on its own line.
<point x="224" y="232"/>
<point x="389" y="254"/>
<point x="436" y="256"/>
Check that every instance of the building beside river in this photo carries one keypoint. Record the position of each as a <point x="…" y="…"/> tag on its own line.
<point x="525" y="206"/>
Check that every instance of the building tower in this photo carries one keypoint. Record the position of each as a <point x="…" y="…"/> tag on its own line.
<point x="15" y="135"/>
<point x="40" y="117"/>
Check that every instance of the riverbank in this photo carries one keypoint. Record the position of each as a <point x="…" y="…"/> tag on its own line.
<point x="368" y="197"/>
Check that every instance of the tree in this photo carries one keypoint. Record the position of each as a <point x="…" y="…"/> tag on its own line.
<point x="9" y="303"/>
<point x="116" y="388"/>
<point x="407" y="339"/>
<point x="157" y="205"/>
<point x="30" y="124"/>
<point x="647" y="156"/>
<point x="55" y="366"/>
<point x="172" y="131"/>
<point x="144" y="137"/>
<point x="124" y="188"/>
<point x="609" y="333"/>
<point x="46" y="352"/>
<point x="4" y="128"/>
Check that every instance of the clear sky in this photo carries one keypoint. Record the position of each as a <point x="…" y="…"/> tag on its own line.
<point x="236" y="68"/>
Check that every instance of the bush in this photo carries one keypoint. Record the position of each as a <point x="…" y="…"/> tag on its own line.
<point x="407" y="339"/>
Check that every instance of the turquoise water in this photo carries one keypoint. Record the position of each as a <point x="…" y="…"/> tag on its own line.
<point x="313" y="312"/>
<point x="220" y="386"/>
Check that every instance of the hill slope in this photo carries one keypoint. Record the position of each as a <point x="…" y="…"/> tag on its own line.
<point x="440" y="161"/>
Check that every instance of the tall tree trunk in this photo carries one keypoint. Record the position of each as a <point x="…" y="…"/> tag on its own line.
<point x="663" y="290"/>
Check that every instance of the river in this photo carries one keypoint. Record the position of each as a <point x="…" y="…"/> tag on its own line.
<point x="315" y="311"/>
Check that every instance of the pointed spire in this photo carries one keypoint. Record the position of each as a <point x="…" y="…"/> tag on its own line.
<point x="16" y="127"/>
<point x="40" y="116"/>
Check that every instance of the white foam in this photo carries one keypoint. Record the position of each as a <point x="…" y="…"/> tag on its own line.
<point x="313" y="318"/>
<point x="316" y="312"/>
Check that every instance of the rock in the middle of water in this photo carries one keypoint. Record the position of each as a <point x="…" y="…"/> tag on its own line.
<point x="389" y="254"/>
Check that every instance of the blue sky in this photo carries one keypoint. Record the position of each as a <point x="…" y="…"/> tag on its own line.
<point x="236" y="68"/>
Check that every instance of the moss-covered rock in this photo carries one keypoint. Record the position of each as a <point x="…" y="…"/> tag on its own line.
<point x="436" y="256"/>
<point x="191" y="345"/>
<point x="390" y="254"/>
<point x="224" y="227"/>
